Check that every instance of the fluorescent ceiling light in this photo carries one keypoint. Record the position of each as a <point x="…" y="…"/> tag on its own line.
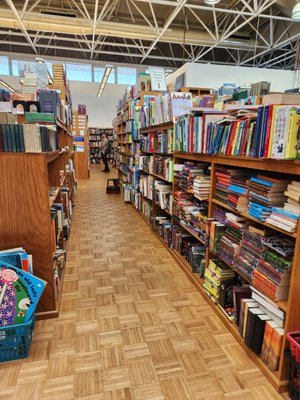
<point x="210" y="2"/>
<point x="296" y="11"/>
<point x="104" y="79"/>
<point x="7" y="86"/>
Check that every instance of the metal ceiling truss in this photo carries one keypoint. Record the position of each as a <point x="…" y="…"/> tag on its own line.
<point x="241" y="32"/>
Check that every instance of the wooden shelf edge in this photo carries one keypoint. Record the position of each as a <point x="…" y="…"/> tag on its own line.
<point x="246" y="215"/>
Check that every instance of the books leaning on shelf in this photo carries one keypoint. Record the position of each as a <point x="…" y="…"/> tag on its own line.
<point x="271" y="131"/>
<point x="20" y="291"/>
<point x="28" y="138"/>
<point x="163" y="195"/>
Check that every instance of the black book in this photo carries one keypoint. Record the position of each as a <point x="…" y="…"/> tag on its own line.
<point x="250" y="327"/>
<point x="259" y="329"/>
<point x="1" y="139"/>
<point x="21" y="135"/>
<point x="5" y="137"/>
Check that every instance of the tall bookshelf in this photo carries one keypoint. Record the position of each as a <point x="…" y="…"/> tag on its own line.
<point x="81" y="158"/>
<point x="25" y="209"/>
<point x="283" y="167"/>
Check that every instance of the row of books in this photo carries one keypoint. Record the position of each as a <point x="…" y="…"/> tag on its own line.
<point x="163" y="226"/>
<point x="164" y="141"/>
<point x="163" y="195"/>
<point x="29" y="138"/>
<point x="146" y="186"/>
<point x="145" y="163"/>
<point x="164" y="167"/>
<point x="193" y="178"/>
<point x="259" y="255"/>
<point x="268" y="199"/>
<point x="156" y="110"/>
<point x="270" y="131"/>
<point x="191" y="213"/>
<point x="147" y="142"/>
<point x="261" y="325"/>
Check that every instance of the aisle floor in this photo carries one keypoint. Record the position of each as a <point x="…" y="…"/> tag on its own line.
<point x="132" y="326"/>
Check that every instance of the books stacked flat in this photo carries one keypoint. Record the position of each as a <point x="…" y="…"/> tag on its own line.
<point x="229" y="178"/>
<point x="219" y="214"/>
<point x="201" y="186"/>
<point x="216" y="273"/>
<point x="230" y="242"/>
<point x="251" y="249"/>
<point x="286" y="217"/>
<point x="264" y="193"/>
<point x="189" y="172"/>
<point x="237" y="190"/>
<point x="272" y="276"/>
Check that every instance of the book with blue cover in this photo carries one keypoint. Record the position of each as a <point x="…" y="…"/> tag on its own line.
<point x="19" y="294"/>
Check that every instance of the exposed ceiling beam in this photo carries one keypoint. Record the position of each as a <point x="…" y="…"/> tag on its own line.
<point x="180" y="5"/>
<point x="13" y="8"/>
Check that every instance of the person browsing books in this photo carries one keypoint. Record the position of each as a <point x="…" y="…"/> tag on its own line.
<point x="104" y="150"/>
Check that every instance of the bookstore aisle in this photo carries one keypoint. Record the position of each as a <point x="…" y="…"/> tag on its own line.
<point x="132" y="326"/>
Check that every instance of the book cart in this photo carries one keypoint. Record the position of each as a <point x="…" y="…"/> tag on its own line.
<point x="282" y="167"/>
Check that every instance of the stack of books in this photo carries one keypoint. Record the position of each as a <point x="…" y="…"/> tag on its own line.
<point x="286" y="217"/>
<point x="201" y="186"/>
<point x="216" y="273"/>
<point x="264" y="193"/>
<point x="230" y="242"/>
<point x="233" y="180"/>
<point x="251" y="249"/>
<point x="189" y="172"/>
<point x="237" y="193"/>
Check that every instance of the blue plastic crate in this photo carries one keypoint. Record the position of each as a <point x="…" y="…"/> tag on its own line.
<point x="15" y="341"/>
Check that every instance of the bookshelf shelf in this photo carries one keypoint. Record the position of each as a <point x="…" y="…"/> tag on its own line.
<point x="189" y="230"/>
<point x="246" y="215"/>
<point x="161" y="177"/>
<point x="155" y="128"/>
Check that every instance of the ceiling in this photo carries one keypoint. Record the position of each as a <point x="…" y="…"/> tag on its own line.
<point x="153" y="32"/>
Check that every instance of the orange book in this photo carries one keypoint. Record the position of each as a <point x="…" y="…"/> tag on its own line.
<point x="275" y="349"/>
<point x="270" y="325"/>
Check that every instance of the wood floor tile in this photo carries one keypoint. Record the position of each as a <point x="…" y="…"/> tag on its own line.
<point x="131" y="326"/>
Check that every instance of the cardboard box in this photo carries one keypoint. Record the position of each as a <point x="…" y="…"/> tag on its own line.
<point x="7" y="118"/>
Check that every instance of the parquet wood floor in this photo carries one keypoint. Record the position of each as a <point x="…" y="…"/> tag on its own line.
<point x="132" y="326"/>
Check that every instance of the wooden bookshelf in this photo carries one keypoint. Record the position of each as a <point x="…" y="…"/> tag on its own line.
<point x="81" y="159"/>
<point x="290" y="167"/>
<point x="25" y="212"/>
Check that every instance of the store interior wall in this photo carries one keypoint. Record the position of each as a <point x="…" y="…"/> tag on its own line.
<point x="213" y="76"/>
<point x="101" y="111"/>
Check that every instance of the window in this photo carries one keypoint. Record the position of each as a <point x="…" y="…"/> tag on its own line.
<point x="127" y="76"/>
<point x="4" y="67"/>
<point x="98" y="73"/>
<point x="79" y="72"/>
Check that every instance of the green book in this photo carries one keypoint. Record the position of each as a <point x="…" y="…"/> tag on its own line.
<point x="39" y="117"/>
